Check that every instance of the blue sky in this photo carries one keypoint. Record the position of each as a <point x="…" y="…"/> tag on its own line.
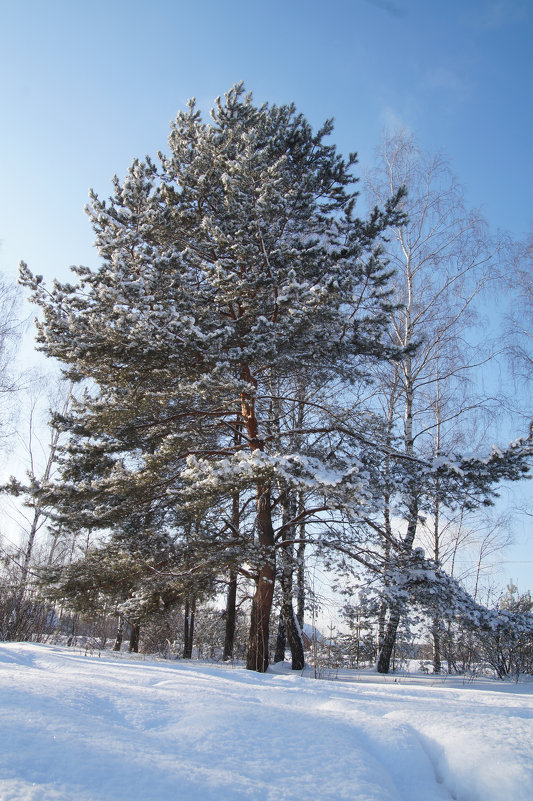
<point x="85" y="87"/>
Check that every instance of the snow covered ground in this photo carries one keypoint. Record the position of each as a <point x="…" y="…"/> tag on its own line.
<point x="78" y="727"/>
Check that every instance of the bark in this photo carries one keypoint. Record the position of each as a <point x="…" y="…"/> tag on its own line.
<point x="384" y="654"/>
<point x="231" y="600"/>
<point x="231" y="616"/>
<point x="300" y="572"/>
<point x="134" y="638"/>
<point x="290" y="622"/>
<point x="450" y="655"/>
<point x="188" y="628"/>
<point x="435" y="632"/>
<point x="382" y="619"/>
<point x="281" y="641"/>
<point x="300" y="589"/>
<point x="294" y="634"/>
<point x="257" y="657"/>
<point x="389" y="638"/>
<point x="436" y="628"/>
<point x="389" y="641"/>
<point x="119" y="635"/>
<point x="382" y="615"/>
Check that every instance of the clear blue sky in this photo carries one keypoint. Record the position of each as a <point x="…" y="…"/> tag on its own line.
<point x="84" y="87"/>
<point x="87" y="86"/>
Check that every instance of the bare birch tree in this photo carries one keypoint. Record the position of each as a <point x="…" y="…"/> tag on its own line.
<point x="31" y="516"/>
<point x="443" y="258"/>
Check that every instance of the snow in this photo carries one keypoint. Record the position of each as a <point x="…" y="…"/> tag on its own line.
<point x="102" y="727"/>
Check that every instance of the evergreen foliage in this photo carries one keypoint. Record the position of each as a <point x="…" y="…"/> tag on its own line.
<point x="233" y="273"/>
<point x="239" y="311"/>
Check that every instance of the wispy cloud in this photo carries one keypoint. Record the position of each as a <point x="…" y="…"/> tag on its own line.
<point x="392" y="120"/>
<point x="389" y="6"/>
<point x="447" y="80"/>
<point x="500" y="13"/>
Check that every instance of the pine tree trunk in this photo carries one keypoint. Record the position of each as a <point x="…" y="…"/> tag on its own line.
<point x="294" y="634"/>
<point x="134" y="638"/>
<point x="257" y="657"/>
<point x="185" y="629"/>
<point x="188" y="628"/>
<point x="191" y="626"/>
<point x="290" y="622"/>
<point x="231" y="600"/>
<point x="119" y="635"/>
<point x="231" y="617"/>
<point x="300" y="553"/>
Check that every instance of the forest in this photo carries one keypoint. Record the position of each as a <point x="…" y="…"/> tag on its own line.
<point x="258" y="381"/>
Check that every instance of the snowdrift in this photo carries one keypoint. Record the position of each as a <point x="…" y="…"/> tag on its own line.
<point x="100" y="728"/>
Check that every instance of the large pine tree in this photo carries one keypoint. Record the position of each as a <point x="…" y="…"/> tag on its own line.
<point x="233" y="274"/>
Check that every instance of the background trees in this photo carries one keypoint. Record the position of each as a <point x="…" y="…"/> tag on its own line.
<point x="10" y="331"/>
<point x="443" y="259"/>
<point x="29" y="511"/>
<point x="519" y="280"/>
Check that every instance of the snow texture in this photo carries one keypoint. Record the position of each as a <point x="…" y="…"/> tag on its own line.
<point x="104" y="728"/>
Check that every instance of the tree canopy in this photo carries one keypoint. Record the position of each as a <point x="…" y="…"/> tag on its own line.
<point x="225" y="342"/>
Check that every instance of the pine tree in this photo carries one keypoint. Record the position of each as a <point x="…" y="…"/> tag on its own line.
<point x="233" y="272"/>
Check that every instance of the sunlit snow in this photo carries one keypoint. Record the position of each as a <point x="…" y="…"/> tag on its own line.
<point x="96" y="727"/>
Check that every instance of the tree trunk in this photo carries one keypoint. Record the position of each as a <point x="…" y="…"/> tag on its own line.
<point x="389" y="638"/>
<point x="134" y="638"/>
<point x="231" y="616"/>
<point x="382" y="618"/>
<point x="257" y="657"/>
<point x="281" y="641"/>
<point x="389" y="641"/>
<point x="290" y="623"/>
<point x="300" y="571"/>
<point x="231" y="601"/>
<point x="188" y="628"/>
<point x="382" y="614"/>
<point x="120" y="633"/>
<point x="294" y="634"/>
<point x="435" y="632"/>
